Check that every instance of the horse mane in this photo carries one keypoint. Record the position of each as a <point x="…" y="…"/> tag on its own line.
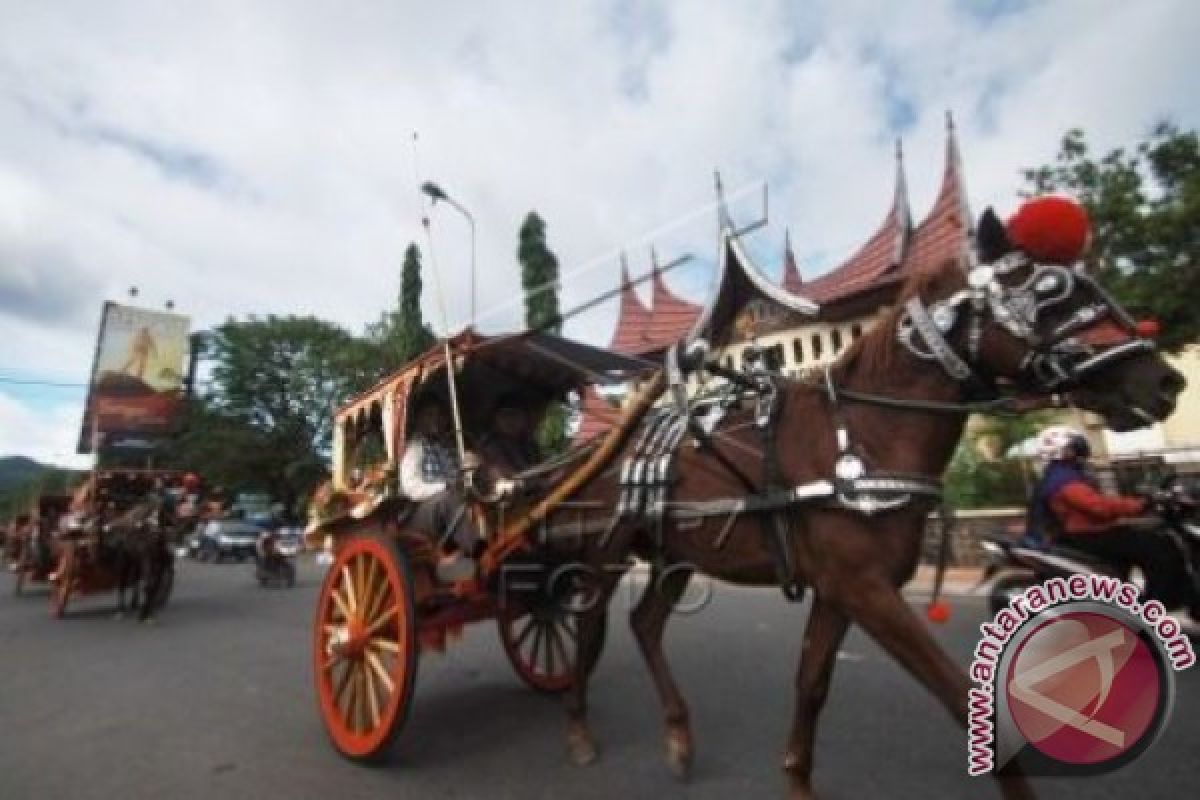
<point x="878" y="349"/>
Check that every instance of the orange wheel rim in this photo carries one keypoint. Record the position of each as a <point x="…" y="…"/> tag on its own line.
<point x="363" y="647"/>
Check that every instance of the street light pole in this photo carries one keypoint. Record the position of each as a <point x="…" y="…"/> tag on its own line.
<point x="436" y="193"/>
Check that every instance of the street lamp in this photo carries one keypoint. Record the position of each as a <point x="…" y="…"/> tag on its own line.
<point x="436" y="193"/>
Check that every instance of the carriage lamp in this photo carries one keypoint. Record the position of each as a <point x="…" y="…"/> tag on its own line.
<point x="1148" y="328"/>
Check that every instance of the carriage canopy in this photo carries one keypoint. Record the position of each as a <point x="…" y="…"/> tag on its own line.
<point x="537" y="368"/>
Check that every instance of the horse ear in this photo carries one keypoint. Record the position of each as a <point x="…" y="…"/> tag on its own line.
<point x="991" y="237"/>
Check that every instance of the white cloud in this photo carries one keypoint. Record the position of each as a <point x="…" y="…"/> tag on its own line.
<point x="242" y="158"/>
<point x="48" y="434"/>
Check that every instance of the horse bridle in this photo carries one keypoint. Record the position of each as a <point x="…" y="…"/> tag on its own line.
<point x="1056" y="361"/>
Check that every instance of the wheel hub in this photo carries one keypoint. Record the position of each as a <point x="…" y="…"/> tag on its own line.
<point x="349" y="640"/>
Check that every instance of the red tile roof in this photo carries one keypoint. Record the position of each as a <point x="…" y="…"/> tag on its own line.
<point x="641" y="330"/>
<point x="632" y="319"/>
<point x="897" y="250"/>
<point x="597" y="415"/>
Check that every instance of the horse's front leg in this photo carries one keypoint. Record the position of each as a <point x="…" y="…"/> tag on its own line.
<point x="649" y="620"/>
<point x="877" y="606"/>
<point x="822" y="638"/>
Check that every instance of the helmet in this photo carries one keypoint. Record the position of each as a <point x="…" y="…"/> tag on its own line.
<point x="1060" y="441"/>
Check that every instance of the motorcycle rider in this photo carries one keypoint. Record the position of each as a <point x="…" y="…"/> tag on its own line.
<point x="1069" y="508"/>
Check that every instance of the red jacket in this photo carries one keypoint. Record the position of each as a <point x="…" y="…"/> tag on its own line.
<point x="1082" y="509"/>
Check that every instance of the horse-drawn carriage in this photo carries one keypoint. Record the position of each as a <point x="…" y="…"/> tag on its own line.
<point x="381" y="603"/>
<point x="824" y="480"/>
<point x="31" y="547"/>
<point x="113" y="537"/>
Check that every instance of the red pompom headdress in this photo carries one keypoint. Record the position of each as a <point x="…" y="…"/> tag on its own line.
<point x="1051" y="230"/>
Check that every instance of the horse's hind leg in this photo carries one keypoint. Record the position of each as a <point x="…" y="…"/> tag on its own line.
<point x="877" y="606"/>
<point x="822" y="638"/>
<point x="648" y="621"/>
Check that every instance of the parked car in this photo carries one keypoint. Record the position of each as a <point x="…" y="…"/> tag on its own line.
<point x="219" y="539"/>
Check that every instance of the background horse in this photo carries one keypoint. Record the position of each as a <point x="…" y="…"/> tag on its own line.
<point x="138" y="548"/>
<point x="854" y="562"/>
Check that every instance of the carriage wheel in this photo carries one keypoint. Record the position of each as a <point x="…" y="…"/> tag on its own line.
<point x="541" y="640"/>
<point x="365" y="647"/>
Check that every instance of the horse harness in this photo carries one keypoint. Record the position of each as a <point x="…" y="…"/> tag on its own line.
<point x="649" y="470"/>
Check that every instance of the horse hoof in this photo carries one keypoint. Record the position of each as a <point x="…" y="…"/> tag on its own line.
<point x="679" y="758"/>
<point x="582" y="751"/>
<point x="118" y="615"/>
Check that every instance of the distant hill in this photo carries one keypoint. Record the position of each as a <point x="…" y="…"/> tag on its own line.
<point x="18" y="470"/>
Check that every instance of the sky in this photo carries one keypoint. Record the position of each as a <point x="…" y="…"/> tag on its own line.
<point x="258" y="157"/>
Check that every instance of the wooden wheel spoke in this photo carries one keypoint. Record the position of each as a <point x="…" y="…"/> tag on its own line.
<point x="382" y="620"/>
<point x="340" y="603"/>
<point x="530" y="624"/>
<point x="566" y="624"/>
<point x="560" y="647"/>
<point x="379" y="670"/>
<point x="359" y="588"/>
<point x="536" y="649"/>
<point x="348" y="586"/>
<point x="551" y="654"/>
<point x="343" y="682"/>
<point x="383" y="643"/>
<point x="373" y="591"/>
<point x="372" y="699"/>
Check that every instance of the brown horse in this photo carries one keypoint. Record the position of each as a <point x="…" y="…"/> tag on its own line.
<point x="856" y="562"/>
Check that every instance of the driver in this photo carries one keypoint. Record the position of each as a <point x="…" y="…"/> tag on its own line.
<point x="429" y="473"/>
<point x="1069" y="504"/>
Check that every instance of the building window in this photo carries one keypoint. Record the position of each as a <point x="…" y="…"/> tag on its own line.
<point x="798" y="350"/>
<point x="835" y="340"/>
<point x="773" y="358"/>
<point x="816" y="346"/>
<point x="856" y="331"/>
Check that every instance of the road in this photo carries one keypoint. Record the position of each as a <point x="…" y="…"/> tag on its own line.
<point x="216" y="701"/>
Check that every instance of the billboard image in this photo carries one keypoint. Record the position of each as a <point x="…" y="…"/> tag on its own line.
<point x="136" y="389"/>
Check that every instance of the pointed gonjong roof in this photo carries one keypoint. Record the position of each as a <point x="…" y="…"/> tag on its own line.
<point x="881" y="253"/>
<point x="791" y="272"/>
<point x="643" y="330"/>
<point x="897" y="249"/>
<point x="632" y="318"/>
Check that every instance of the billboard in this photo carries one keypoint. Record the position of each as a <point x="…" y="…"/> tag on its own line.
<point x="136" y="390"/>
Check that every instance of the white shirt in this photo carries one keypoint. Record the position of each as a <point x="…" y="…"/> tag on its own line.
<point x="413" y="483"/>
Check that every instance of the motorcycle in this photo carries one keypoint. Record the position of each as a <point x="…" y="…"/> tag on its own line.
<point x="1014" y="565"/>
<point x="271" y="567"/>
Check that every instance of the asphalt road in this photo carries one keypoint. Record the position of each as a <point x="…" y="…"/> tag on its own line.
<point x="216" y="701"/>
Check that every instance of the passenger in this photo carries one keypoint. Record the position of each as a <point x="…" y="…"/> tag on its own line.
<point x="509" y="447"/>
<point x="429" y="473"/>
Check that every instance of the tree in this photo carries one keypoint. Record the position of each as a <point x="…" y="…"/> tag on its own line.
<point x="539" y="279"/>
<point x="1145" y="213"/>
<point x="401" y="334"/>
<point x="539" y="275"/>
<point x="267" y="420"/>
